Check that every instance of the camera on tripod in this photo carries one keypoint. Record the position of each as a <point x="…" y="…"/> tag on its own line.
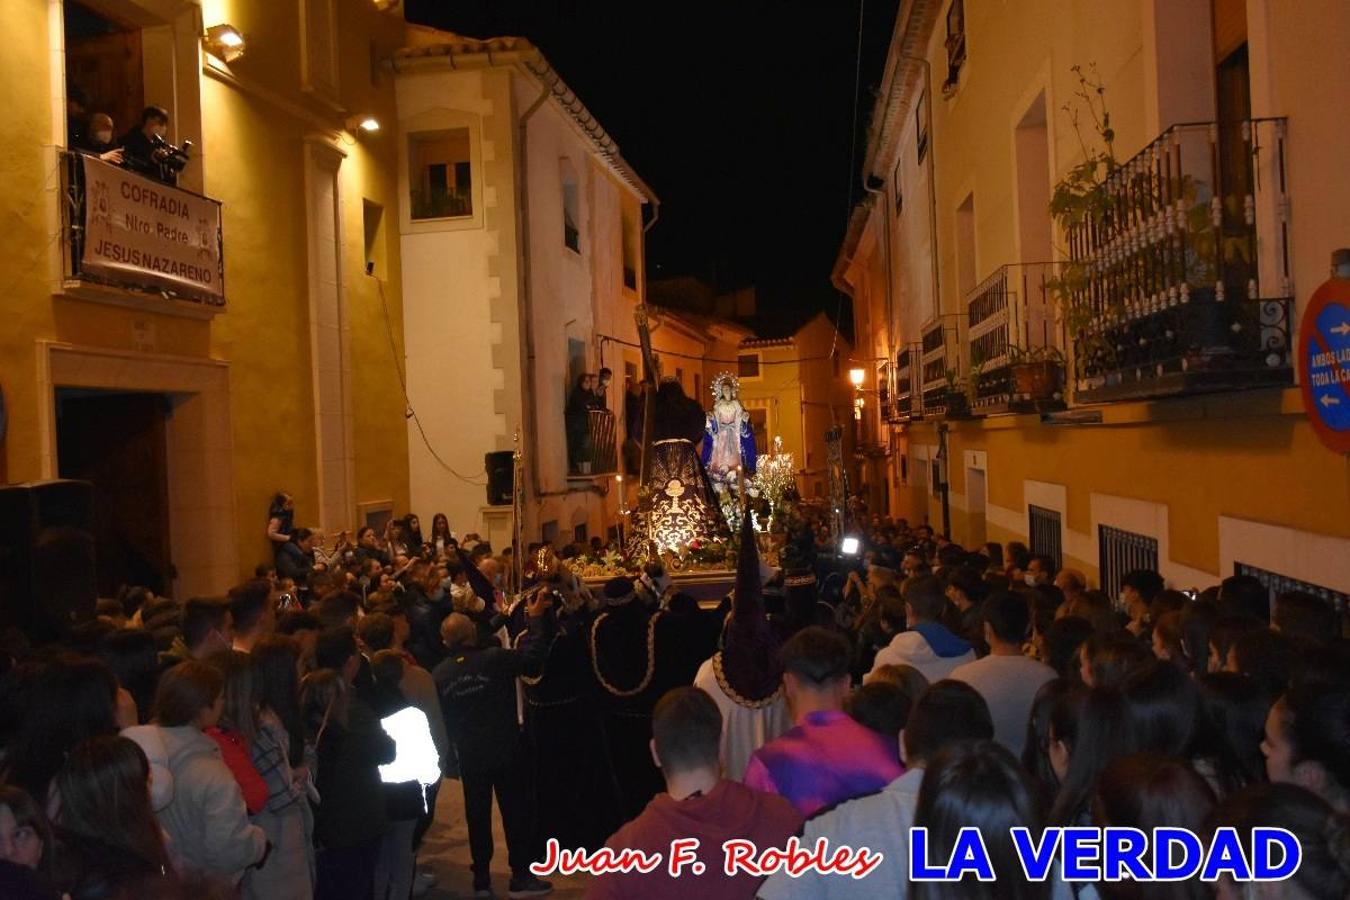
<point x="172" y="155"/>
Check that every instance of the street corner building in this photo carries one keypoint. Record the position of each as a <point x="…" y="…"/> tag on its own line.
<point x="1088" y="327"/>
<point x="383" y="259"/>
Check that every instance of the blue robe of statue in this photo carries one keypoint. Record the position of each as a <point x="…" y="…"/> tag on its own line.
<point x="723" y="448"/>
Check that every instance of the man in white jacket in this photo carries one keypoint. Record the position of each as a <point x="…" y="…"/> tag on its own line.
<point x="926" y="644"/>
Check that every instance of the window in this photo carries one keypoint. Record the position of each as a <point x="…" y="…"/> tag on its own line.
<point x="571" y="208"/>
<point x="921" y="126"/>
<point x="318" y="48"/>
<point x="1278" y="584"/>
<point x="440" y="177"/>
<point x="1047" y="533"/>
<point x="372" y="215"/>
<point x="747" y="365"/>
<point x="956" y="44"/>
<point x="899" y="192"/>
<point x="104" y="66"/>
<point x="630" y="372"/>
<point x="631" y="239"/>
<point x="1122" y="551"/>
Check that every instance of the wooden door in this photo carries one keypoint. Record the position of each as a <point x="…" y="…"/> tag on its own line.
<point x="117" y="441"/>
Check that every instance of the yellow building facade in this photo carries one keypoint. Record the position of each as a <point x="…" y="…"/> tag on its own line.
<point x="290" y="383"/>
<point x="797" y="388"/>
<point x="1166" y="444"/>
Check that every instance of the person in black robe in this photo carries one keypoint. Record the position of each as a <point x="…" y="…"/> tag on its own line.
<point x="626" y="666"/>
<point x="576" y="794"/>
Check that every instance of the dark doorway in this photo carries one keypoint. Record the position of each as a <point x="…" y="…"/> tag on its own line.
<point x="104" y="61"/>
<point x="117" y="441"/>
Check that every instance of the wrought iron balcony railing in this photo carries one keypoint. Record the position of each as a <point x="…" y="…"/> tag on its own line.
<point x="593" y="452"/>
<point x="907" y="403"/>
<point x="1178" y="280"/>
<point x="1011" y="328"/>
<point x="936" y="363"/>
<point x="123" y="232"/>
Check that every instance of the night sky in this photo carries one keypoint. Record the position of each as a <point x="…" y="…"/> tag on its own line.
<point x="737" y="113"/>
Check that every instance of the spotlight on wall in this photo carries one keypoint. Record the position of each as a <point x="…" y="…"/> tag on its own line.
<point x="367" y="124"/>
<point x="856" y="376"/>
<point x="224" y="41"/>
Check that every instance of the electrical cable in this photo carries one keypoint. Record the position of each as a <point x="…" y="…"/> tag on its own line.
<point x="852" y="160"/>
<point x="604" y="338"/>
<point x="410" y="411"/>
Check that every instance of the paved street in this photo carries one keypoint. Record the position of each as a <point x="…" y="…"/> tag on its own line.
<point x="446" y="852"/>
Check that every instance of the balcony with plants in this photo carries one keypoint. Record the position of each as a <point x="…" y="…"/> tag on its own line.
<point x="1014" y="342"/>
<point x="1176" y="279"/>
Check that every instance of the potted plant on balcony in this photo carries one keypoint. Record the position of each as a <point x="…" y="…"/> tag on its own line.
<point x="1037" y="374"/>
<point x="1077" y="198"/>
<point x="956" y="396"/>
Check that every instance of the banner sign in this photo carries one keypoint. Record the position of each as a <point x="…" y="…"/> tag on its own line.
<point x="142" y="233"/>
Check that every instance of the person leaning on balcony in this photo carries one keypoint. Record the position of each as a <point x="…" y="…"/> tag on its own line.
<point x="576" y="418"/>
<point x="99" y="140"/>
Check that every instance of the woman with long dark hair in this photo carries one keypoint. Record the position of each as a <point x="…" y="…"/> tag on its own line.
<point x="1146" y="791"/>
<point x="1164" y="709"/>
<point x="413" y="531"/>
<point x="441" y="538"/>
<point x="1233" y="711"/>
<point x="978" y="784"/>
<point x="107" y="834"/>
<point x="278" y="752"/>
<point x="1036" y="748"/>
<point x="1086" y="736"/>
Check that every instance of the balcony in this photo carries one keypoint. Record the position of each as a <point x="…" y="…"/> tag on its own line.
<point x="905" y="406"/>
<point x="1014" y="345"/>
<point x="132" y="240"/>
<point x="1178" y="281"/>
<point x="591" y="450"/>
<point x="939" y="372"/>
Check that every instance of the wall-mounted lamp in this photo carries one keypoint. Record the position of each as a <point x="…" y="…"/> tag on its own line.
<point x="386" y="5"/>
<point x="856" y="376"/>
<point x="224" y="41"/>
<point x="366" y="124"/>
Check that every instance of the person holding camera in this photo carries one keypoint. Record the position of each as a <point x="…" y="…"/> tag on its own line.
<point x="145" y="149"/>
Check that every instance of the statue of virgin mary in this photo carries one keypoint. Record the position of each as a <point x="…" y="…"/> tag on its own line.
<point x="730" y="440"/>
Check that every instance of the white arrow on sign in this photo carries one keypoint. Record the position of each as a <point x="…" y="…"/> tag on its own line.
<point x="1328" y="400"/>
<point x="1342" y="329"/>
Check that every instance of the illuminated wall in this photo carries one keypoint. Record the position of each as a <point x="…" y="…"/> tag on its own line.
<point x="1200" y="474"/>
<point x="253" y="126"/>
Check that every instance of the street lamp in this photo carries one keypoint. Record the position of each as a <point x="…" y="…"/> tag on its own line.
<point x="856" y="376"/>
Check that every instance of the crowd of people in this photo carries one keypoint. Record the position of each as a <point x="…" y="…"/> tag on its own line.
<point x="247" y="745"/>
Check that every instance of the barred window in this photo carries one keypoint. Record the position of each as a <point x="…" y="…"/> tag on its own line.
<point x="1122" y="551"/>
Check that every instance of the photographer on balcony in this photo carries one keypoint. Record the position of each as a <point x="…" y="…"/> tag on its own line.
<point x="145" y="149"/>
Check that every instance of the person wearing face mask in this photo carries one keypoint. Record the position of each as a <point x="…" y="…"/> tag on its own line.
<point x="1040" y="570"/>
<point x="100" y="140"/>
<point x="139" y="152"/>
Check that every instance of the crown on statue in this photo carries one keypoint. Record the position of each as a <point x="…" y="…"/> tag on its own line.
<point x="725" y="378"/>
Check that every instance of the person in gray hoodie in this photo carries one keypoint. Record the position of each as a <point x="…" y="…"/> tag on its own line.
<point x="206" y="820"/>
